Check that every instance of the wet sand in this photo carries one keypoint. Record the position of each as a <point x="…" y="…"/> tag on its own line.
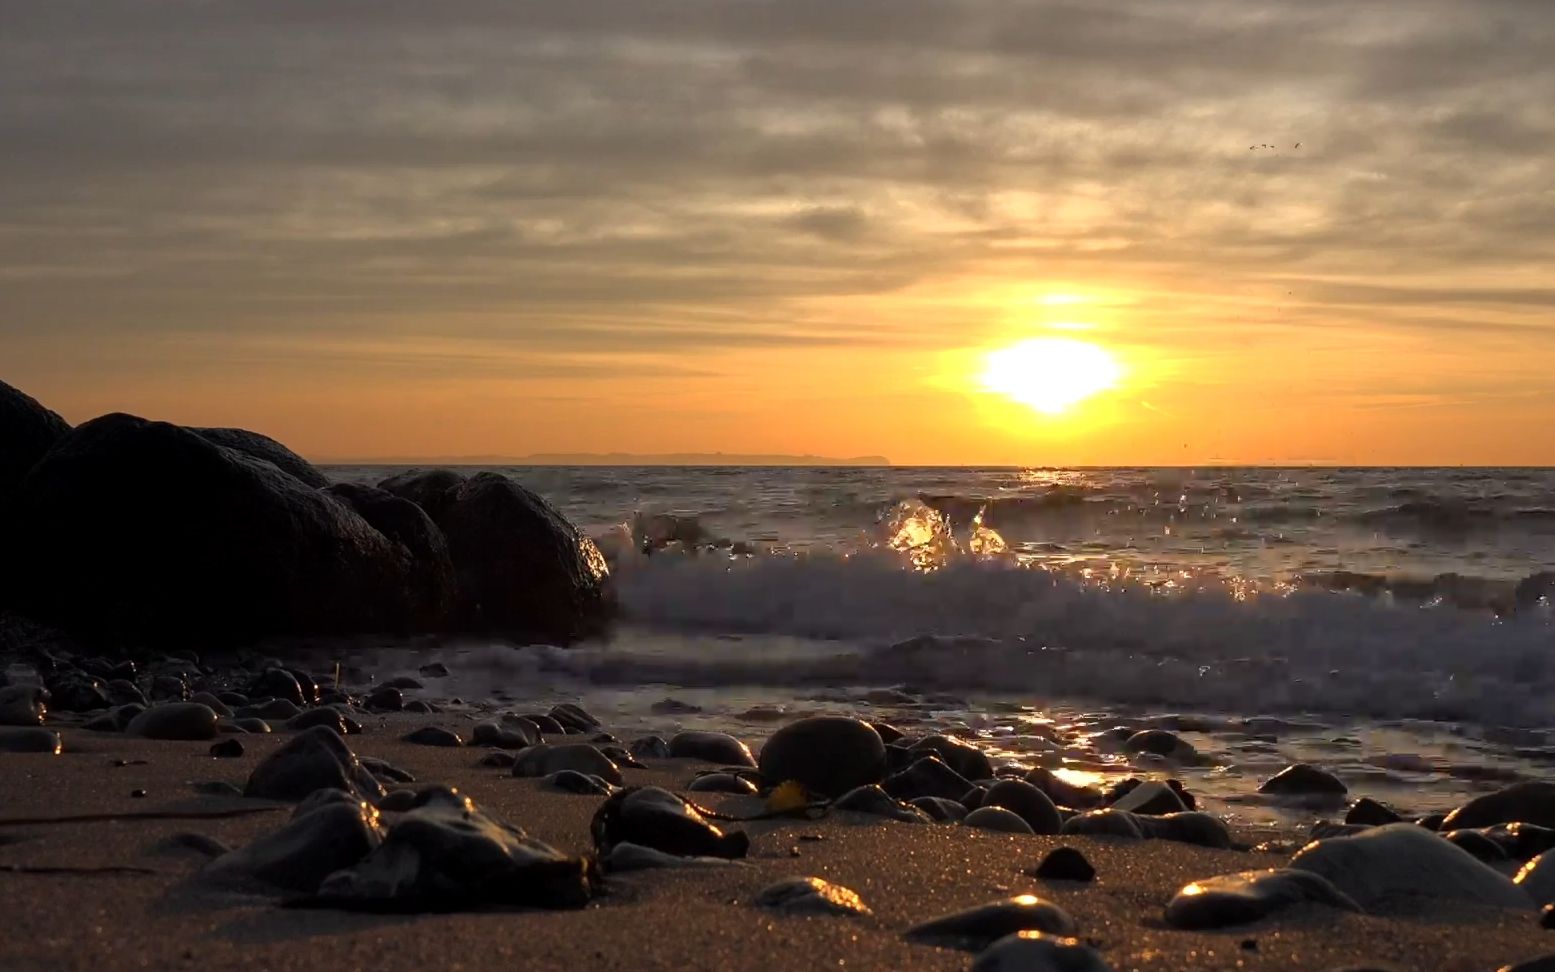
<point x="679" y="919"/>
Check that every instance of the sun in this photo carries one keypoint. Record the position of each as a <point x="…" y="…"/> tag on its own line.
<point x="1050" y="374"/>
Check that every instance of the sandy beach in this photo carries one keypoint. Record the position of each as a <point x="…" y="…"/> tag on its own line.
<point x="161" y="915"/>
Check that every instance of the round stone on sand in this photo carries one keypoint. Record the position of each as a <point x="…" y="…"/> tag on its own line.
<point x="1303" y="780"/>
<point x="999" y="819"/>
<point x="722" y="783"/>
<point x="1065" y="864"/>
<point x="977" y="928"/>
<point x="1372" y="813"/>
<point x="811" y="896"/>
<point x="546" y="758"/>
<point x="1236" y="899"/>
<point x="29" y="739"/>
<point x="966" y="759"/>
<point x="1032" y="951"/>
<point x="1026" y="802"/>
<point x="711" y="747"/>
<point x="829" y="755"/>
<point x="175" y="720"/>
<point x="1529" y="802"/>
<point x="1159" y="742"/>
<point x="1403" y="860"/>
<point x="927" y="776"/>
<point x="434" y="736"/>
<point x="876" y="802"/>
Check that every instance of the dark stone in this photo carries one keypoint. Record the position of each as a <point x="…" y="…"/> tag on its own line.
<point x="876" y="802"/>
<point x="1149" y="798"/>
<point x="1190" y="827"/>
<point x="888" y="733"/>
<point x="501" y="736"/>
<point x="1037" y="952"/>
<point x="964" y="758"/>
<point x="574" y="716"/>
<point x="227" y="749"/>
<point x="77" y="692"/>
<point x="811" y="896"/>
<point x="1062" y="792"/>
<point x="711" y="747"/>
<point x="421" y="548"/>
<point x="571" y="781"/>
<point x="27" y="431"/>
<point x="1065" y="864"/>
<point x="1303" y="780"/>
<point x="122" y="692"/>
<point x="213" y="703"/>
<point x="828" y="755"/>
<point x="1371" y="812"/>
<point x="385" y="699"/>
<point x="651" y="747"/>
<point x="1236" y="899"/>
<point x="927" y="776"/>
<point x="276" y="683"/>
<point x="546" y="725"/>
<point x="434" y="736"/>
<point x="382" y="769"/>
<point x="314" y="759"/>
<point x="1530" y="802"/>
<point x="169" y="688"/>
<point x="397" y="801"/>
<point x="1521" y="841"/>
<point x="29" y="739"/>
<point x="23" y="705"/>
<point x="1159" y="742"/>
<point x="421" y="707"/>
<point x="324" y="716"/>
<point x="976" y="928"/>
<point x="252" y="724"/>
<point x="521" y="568"/>
<point x="270" y="709"/>
<point x="303" y="853"/>
<point x="445" y="854"/>
<point x="722" y="783"/>
<point x="1026" y="802"/>
<point x="174" y="720"/>
<point x="132" y="531"/>
<point x="656" y="818"/>
<point x="939" y="809"/>
<point x="999" y="819"/>
<point x="1477" y="844"/>
<point x="547" y="758"/>
<point x="265" y="449"/>
<point x="497" y="760"/>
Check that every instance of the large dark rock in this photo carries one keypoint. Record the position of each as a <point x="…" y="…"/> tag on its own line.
<point x="522" y="569"/>
<point x="27" y="431"/>
<point x="257" y="446"/>
<point x="830" y="755"/>
<point x="423" y="549"/>
<point x="131" y="530"/>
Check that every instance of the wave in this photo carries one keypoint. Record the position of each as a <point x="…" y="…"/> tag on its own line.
<point x="1450" y="515"/>
<point x="988" y="625"/>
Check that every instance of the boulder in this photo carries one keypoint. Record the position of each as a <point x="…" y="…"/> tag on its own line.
<point x="1405" y="861"/>
<point x="521" y="567"/>
<point x="422" y="548"/>
<point x="829" y="755"/>
<point x="135" y="531"/>
<point x="27" y="431"/>
<point x="266" y="449"/>
<point x="1530" y="802"/>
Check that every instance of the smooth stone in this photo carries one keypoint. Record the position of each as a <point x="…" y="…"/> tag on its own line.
<point x="1104" y="823"/>
<point x="304" y="852"/>
<point x="1159" y="742"/>
<point x="385" y="699"/>
<point x="874" y="801"/>
<point x="326" y="798"/>
<point x="1061" y="791"/>
<point x="501" y="736"/>
<point x="1301" y="779"/>
<point x="385" y="770"/>
<point x="976" y="928"/>
<point x="30" y="739"/>
<point x="1520" y="841"/>
<point x="434" y="736"/>
<point x="711" y="747"/>
<point x="75" y="692"/>
<point x="254" y="725"/>
<point x="213" y="703"/>
<point x="325" y="716"/>
<point x="276" y="683"/>
<point x="999" y="819"/>
<point x="571" y="781"/>
<point x="1537" y="879"/>
<point x="1528" y="802"/>
<point x="654" y="817"/>
<point x="548" y="758"/>
<point x="1150" y="798"/>
<point x="421" y="707"/>
<point x="1371" y="812"/>
<point x="651" y="747"/>
<point x="23" y="705"/>
<point x="722" y="783"/>
<point x="277" y="709"/>
<point x="1327" y="828"/>
<point x="497" y="759"/>
<point x="446" y="854"/>
<point x="1406" y="860"/>
<point x="1476" y="843"/>
<point x="175" y="720"/>
<point x="828" y="755"/>
<point x="570" y="713"/>
<point x="546" y="725"/>
<point x="966" y="759"/>
<point x="940" y="809"/>
<point x="1025" y="801"/>
<point x="1065" y="864"/>
<point x="227" y="749"/>
<point x="627" y="856"/>
<point x="1236" y="899"/>
<point x="888" y="733"/>
<point x="314" y="759"/>
<point x="811" y="896"/>
<point x="928" y="776"/>
<point x="1032" y="951"/>
<point x="673" y="707"/>
<point x="121" y="692"/>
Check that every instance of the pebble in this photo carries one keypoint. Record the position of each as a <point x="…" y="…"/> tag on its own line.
<point x="253" y="725"/>
<point x="571" y="781"/>
<point x="309" y="848"/>
<point x="1476" y="843"/>
<point x="651" y="747"/>
<point x="876" y="802"/>
<point x="175" y="720"/>
<point x="1065" y="864"/>
<point x="1189" y="827"/>
<point x="1027" y="802"/>
<point x="1403" y="859"/>
<point x="1303" y="780"/>
<point x="1236" y="899"/>
<point x="502" y="736"/>
<point x="1061" y="791"/>
<point x="574" y="716"/>
<point x="722" y="783"/>
<point x="811" y="896"/>
<point x="385" y="770"/>
<point x="23" y="705"/>
<point x="829" y="755"/>
<point x="673" y="707"/>
<point x="1537" y="879"/>
<point x="213" y="703"/>
<point x="75" y="692"/>
<point x="497" y="760"/>
<point x="711" y="747"/>
<point x="325" y="716"/>
<point x="940" y="809"/>
<point x="278" y="709"/>
<point x="1159" y="742"/>
<point x="656" y="818"/>
<point x="276" y="683"/>
<point x="421" y="707"/>
<point x="314" y="759"/>
<point x="121" y="692"/>
<point x="227" y="749"/>
<point x="1528" y="802"/>
<point x="434" y="670"/>
<point x="548" y="758"/>
<point x="928" y="776"/>
<point x="998" y="819"/>
<point x="1371" y="812"/>
<point x="966" y="759"/>
<point x="30" y="739"/>
<point x="385" y="699"/>
<point x="976" y="928"/>
<point x="546" y="725"/>
<point x="446" y="854"/>
<point x="434" y="736"/>
<point x="1150" y="798"/>
<point x="1032" y="951"/>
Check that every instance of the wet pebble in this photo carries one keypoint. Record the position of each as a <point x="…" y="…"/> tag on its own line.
<point x="997" y="819"/>
<point x="497" y="759"/>
<point x="174" y="720"/>
<point x="122" y="692"/>
<point x="627" y="856"/>
<point x="575" y="718"/>
<point x="1159" y="742"/>
<point x="1190" y="827"/>
<point x="1301" y="779"/>
<point x="940" y="809"/>
<point x="976" y="928"/>
<point x="1236" y="899"/>
<point x="1475" y="842"/>
<point x="76" y="692"/>
<point x="571" y="781"/>
<point x="1528" y="802"/>
<point x="421" y="707"/>
<point x="722" y="783"/>
<point x="1537" y="879"/>
<point x="874" y="801"/>
<point x="227" y="749"/>
<point x="213" y="703"/>
<point x="385" y="699"/>
<point x="314" y="759"/>
<point x="1025" y="801"/>
<point x="711" y="747"/>
<point x="397" y="801"/>
<point x="501" y="736"/>
<point x="1150" y="798"/>
<point x="651" y="747"/>
<point x="1032" y="951"/>
<point x="277" y="709"/>
<point x="829" y="755"/>
<point x="1406" y="860"/>
<point x="434" y="736"/>
<point x="654" y="817"/>
<point x="385" y="770"/>
<point x="324" y="716"/>
<point x="253" y="725"/>
<point x="811" y="896"/>
<point x="1065" y="864"/>
<point x="1061" y="791"/>
<point x="1372" y="813"/>
<point x="548" y="758"/>
<point x="927" y="776"/>
<point x="276" y="683"/>
<point x="30" y="739"/>
<point x="966" y="759"/>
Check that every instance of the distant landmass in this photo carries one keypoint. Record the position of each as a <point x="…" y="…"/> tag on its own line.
<point x="619" y="459"/>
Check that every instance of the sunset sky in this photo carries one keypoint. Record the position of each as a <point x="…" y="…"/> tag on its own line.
<point x="403" y="228"/>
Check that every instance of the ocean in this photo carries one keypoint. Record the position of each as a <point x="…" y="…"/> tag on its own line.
<point x="1390" y="624"/>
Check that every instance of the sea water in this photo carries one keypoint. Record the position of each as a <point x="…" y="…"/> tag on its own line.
<point x="1391" y="625"/>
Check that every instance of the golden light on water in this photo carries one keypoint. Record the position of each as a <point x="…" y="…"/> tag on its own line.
<point x="1050" y="374"/>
